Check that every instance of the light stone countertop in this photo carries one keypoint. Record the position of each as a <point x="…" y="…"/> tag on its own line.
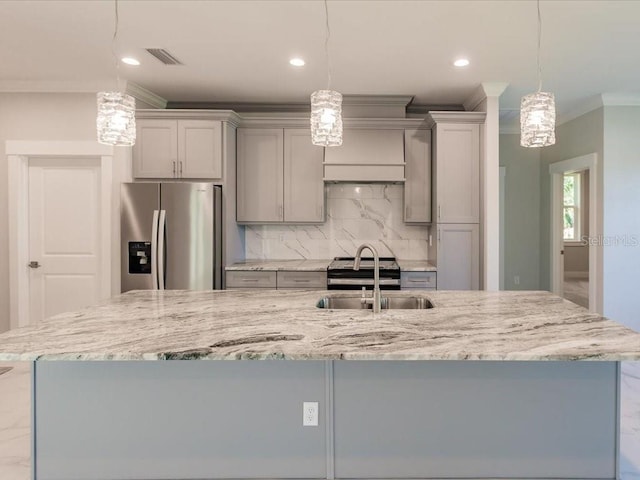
<point x="318" y="265"/>
<point x="285" y="324"/>
<point x="416" y="266"/>
<point x="280" y="265"/>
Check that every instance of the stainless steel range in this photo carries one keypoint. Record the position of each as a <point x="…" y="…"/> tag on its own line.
<point x="342" y="276"/>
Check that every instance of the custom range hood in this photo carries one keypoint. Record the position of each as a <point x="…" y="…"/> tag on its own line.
<point x="366" y="155"/>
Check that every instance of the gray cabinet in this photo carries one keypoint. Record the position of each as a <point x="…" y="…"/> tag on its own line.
<point x="417" y="186"/>
<point x="301" y="279"/>
<point x="281" y="279"/>
<point x="418" y="280"/>
<point x="458" y="256"/>
<point x="456" y="199"/>
<point x="250" y="279"/>
<point x="279" y="176"/>
<point x="260" y="175"/>
<point x="170" y="148"/>
<point x="456" y="170"/>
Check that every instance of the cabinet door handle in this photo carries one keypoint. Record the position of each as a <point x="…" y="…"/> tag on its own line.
<point x="439" y="211"/>
<point x="174" y="168"/>
<point x="407" y="212"/>
<point x="438" y="236"/>
<point x="281" y="212"/>
<point x="180" y="169"/>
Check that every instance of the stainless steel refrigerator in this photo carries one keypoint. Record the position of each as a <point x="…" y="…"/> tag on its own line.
<point x="171" y="236"/>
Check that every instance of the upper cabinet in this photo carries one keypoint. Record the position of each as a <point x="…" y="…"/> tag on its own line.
<point x="170" y="148"/>
<point x="456" y="170"/>
<point x="417" y="186"/>
<point x="279" y="176"/>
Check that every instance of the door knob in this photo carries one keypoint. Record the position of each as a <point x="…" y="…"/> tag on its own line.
<point x="34" y="265"/>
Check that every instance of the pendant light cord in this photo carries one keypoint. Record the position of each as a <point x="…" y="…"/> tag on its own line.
<point x="539" y="42"/>
<point x="326" y="44"/>
<point x="113" y="47"/>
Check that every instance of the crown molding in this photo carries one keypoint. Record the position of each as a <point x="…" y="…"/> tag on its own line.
<point x="51" y="86"/>
<point x="220" y="115"/>
<point x="244" y="107"/>
<point x="484" y="90"/>
<point x="434" y="118"/>
<point x="373" y="100"/>
<point x="351" y="123"/>
<point x="146" y="96"/>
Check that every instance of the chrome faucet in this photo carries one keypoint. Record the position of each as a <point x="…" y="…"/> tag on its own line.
<point x="375" y="299"/>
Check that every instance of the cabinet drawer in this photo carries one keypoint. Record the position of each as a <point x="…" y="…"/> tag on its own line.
<point x="296" y="279"/>
<point x="245" y="279"/>
<point x="418" y="280"/>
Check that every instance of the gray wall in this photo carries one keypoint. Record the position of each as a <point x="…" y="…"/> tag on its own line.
<point x="522" y="213"/>
<point x="36" y="116"/>
<point x="575" y="138"/>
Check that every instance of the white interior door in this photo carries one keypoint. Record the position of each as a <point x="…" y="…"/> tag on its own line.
<point x="64" y="235"/>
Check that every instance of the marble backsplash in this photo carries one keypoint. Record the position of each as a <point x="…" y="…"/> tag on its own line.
<point x="356" y="213"/>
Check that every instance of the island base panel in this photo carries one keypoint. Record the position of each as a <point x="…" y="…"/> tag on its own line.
<point x="378" y="419"/>
<point x="177" y="420"/>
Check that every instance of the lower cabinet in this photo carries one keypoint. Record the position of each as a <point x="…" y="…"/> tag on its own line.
<point x="458" y="256"/>
<point x="280" y="280"/>
<point x="418" y="280"/>
<point x="298" y="279"/>
<point x="251" y="279"/>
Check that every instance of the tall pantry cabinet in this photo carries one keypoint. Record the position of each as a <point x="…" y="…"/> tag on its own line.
<point x="456" y="199"/>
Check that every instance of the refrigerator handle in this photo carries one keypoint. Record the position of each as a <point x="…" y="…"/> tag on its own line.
<point x="161" y="248"/>
<point x="154" y="250"/>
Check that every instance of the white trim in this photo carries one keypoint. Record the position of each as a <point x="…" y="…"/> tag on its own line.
<point x="556" y="170"/>
<point x="18" y="155"/>
<point x="503" y="188"/>
<point x="484" y="90"/>
<point x="146" y="96"/>
<point x="57" y="148"/>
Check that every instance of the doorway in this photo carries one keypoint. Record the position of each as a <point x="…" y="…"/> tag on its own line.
<point x="59" y="227"/>
<point x="574" y="265"/>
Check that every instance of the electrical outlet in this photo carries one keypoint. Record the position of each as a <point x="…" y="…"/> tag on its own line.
<point x="309" y="414"/>
<point x="516" y="280"/>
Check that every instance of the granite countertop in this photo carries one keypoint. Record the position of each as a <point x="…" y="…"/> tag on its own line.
<point x="318" y="265"/>
<point x="278" y="265"/>
<point x="416" y="266"/>
<point x="285" y="324"/>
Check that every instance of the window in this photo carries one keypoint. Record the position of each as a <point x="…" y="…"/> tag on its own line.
<point x="571" y="213"/>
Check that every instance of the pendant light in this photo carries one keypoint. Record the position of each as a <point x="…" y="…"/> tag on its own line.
<point x="538" y="110"/>
<point x="116" y="121"/>
<point x="326" y="105"/>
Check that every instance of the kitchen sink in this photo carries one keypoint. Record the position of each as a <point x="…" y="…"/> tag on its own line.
<point x="388" y="302"/>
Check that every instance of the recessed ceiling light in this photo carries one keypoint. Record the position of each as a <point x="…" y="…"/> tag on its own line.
<point x="130" y="61"/>
<point x="461" y="62"/>
<point x="297" y="62"/>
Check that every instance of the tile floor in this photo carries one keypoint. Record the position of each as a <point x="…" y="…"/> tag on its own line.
<point x="15" y="422"/>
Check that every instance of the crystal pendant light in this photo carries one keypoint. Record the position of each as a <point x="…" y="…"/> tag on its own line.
<point x="326" y="106"/>
<point x="538" y="111"/>
<point x="116" y="120"/>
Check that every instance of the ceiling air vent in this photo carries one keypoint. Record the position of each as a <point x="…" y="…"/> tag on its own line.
<point x="164" y="56"/>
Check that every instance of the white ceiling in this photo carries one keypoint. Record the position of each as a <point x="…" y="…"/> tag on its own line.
<point x="238" y="51"/>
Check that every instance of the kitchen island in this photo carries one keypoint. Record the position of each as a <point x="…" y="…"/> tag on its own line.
<point x="484" y="385"/>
